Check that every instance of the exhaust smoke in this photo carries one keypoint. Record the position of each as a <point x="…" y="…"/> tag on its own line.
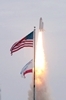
<point x="41" y="89"/>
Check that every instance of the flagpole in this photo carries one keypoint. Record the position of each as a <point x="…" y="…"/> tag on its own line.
<point x="34" y="66"/>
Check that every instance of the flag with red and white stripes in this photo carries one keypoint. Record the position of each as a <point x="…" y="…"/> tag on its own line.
<point x="28" y="68"/>
<point x="27" y="41"/>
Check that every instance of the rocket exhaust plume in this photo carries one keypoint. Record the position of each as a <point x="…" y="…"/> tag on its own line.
<point x="40" y="73"/>
<point x="41" y="92"/>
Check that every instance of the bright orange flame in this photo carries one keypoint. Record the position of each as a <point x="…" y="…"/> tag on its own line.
<point x="40" y="60"/>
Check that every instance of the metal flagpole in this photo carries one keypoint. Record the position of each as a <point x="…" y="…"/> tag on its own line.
<point x="34" y="66"/>
<point x="0" y="94"/>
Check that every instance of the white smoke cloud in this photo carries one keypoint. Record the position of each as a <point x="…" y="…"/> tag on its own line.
<point x="41" y="92"/>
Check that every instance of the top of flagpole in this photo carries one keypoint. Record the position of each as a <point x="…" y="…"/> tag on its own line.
<point x="34" y="34"/>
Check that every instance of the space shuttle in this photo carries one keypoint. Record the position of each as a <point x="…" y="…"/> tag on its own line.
<point x="41" y="25"/>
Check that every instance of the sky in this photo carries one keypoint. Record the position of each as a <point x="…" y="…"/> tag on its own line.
<point x="17" y="19"/>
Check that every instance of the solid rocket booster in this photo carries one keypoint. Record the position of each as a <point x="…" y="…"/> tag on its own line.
<point x="40" y="24"/>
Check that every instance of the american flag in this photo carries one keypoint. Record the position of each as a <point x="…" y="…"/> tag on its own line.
<point x="27" y="41"/>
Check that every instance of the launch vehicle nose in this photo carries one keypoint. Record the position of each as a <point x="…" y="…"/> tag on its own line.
<point x="40" y="24"/>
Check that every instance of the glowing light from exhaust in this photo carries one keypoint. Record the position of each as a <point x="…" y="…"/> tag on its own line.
<point x="40" y="58"/>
